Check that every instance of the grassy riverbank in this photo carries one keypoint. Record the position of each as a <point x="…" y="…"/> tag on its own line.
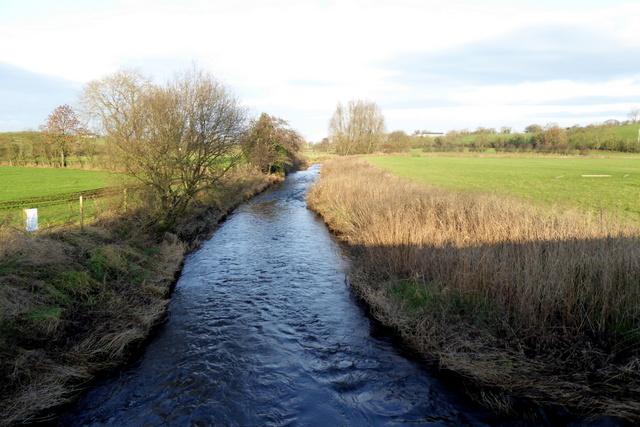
<point x="74" y="303"/>
<point x="524" y="300"/>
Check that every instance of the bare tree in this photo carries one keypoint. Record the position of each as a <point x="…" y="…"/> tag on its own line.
<point x="357" y="129"/>
<point x="633" y="115"/>
<point x="324" y="146"/>
<point x="506" y="130"/>
<point x="62" y="130"/>
<point x="177" y="139"/>
<point x="114" y="104"/>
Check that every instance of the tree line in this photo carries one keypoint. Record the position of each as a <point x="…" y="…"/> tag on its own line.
<point x="359" y="128"/>
<point x="34" y="148"/>
<point x="548" y="139"/>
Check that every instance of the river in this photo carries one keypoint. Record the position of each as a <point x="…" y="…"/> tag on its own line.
<point x="263" y="330"/>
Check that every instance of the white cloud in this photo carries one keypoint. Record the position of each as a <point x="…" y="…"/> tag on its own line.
<point x="544" y="92"/>
<point x="471" y="117"/>
<point x="300" y="57"/>
<point x="563" y="102"/>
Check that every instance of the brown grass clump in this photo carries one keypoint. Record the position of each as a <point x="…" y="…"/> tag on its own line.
<point x="72" y="304"/>
<point x="535" y="302"/>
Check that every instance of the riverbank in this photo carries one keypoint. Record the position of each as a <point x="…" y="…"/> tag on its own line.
<point x="76" y="303"/>
<point x="527" y="303"/>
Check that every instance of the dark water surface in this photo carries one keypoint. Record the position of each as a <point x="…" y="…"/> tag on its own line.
<point x="263" y="330"/>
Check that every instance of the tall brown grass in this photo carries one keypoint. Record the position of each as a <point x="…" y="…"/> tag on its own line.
<point x="532" y="300"/>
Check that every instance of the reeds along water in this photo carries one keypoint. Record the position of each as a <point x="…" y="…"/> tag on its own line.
<point x="534" y="268"/>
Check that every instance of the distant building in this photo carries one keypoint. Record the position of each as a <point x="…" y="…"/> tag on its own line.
<point x="424" y="134"/>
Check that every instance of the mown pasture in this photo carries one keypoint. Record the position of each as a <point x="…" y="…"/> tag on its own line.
<point x="23" y="182"/>
<point x="54" y="191"/>
<point x="541" y="180"/>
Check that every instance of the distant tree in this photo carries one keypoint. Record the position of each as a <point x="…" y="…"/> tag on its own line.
<point x="552" y="135"/>
<point x="271" y="145"/>
<point x="506" y="130"/>
<point x="533" y="129"/>
<point x="482" y="142"/>
<point x="357" y="129"/>
<point x="176" y="139"/>
<point x="575" y="129"/>
<point x="452" y="137"/>
<point x="397" y="142"/>
<point x="517" y="140"/>
<point x="15" y="152"/>
<point x="324" y="146"/>
<point x="603" y="138"/>
<point x="633" y="115"/>
<point x="43" y="151"/>
<point x="62" y="130"/>
<point x="92" y="149"/>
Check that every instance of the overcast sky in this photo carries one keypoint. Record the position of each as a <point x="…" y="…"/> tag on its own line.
<point x="433" y="65"/>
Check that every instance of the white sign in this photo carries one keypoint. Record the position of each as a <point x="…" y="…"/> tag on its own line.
<point x="32" y="219"/>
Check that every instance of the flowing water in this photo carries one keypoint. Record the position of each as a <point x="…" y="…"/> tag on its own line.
<point x="263" y="330"/>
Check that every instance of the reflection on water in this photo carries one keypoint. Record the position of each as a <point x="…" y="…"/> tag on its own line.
<point x="264" y="331"/>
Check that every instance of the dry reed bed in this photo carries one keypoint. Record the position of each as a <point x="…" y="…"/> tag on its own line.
<point x="533" y="301"/>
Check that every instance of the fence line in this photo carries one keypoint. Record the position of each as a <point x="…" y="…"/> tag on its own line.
<point x="42" y="201"/>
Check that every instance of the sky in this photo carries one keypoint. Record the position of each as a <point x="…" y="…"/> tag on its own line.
<point x="435" y="65"/>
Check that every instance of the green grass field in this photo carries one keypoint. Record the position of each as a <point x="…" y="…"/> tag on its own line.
<point x="539" y="180"/>
<point x="19" y="183"/>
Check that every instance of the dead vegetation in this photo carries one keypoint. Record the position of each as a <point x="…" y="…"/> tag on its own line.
<point x="527" y="302"/>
